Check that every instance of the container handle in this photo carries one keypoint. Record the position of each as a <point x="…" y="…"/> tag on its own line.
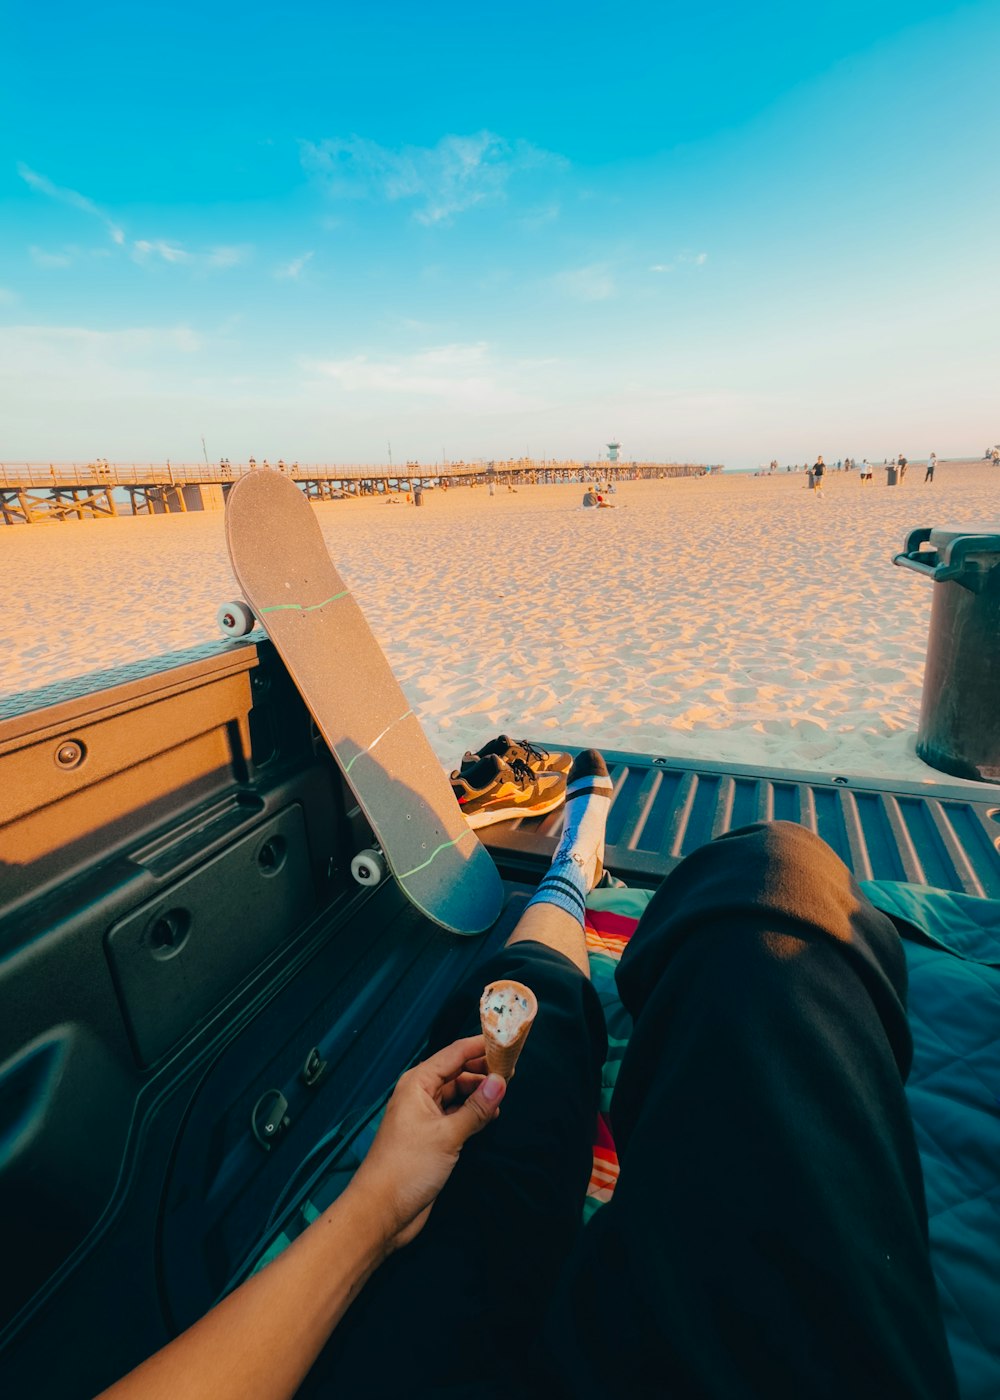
<point x="950" y="562"/>
<point x="921" y="561"/>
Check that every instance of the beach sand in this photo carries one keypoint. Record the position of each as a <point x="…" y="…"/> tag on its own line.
<point x="735" y="618"/>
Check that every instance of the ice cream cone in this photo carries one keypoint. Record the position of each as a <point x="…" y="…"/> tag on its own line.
<point x="507" y="1011"/>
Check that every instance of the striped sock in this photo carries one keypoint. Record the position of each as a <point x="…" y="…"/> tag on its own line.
<point x="578" y="863"/>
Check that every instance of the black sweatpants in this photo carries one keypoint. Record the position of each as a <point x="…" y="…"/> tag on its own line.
<point x="768" y="1234"/>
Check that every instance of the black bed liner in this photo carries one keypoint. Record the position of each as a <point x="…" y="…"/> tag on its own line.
<point x="172" y="1193"/>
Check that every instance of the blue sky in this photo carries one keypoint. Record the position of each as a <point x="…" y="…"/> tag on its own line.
<point x="723" y="234"/>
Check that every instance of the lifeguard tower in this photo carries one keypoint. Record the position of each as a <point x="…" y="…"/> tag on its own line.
<point x="613" y="449"/>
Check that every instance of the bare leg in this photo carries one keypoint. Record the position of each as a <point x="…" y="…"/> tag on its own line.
<point x="548" y="924"/>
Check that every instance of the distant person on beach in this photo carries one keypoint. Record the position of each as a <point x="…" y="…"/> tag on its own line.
<point x="931" y="464"/>
<point x="818" y="471"/>
<point x="902" y="466"/>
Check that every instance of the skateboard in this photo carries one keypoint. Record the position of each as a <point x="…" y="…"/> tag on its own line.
<point x="292" y="587"/>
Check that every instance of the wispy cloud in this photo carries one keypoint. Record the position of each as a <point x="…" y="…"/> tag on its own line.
<point x="73" y="198"/>
<point x="66" y="256"/>
<point x="7" y="296"/>
<point x="681" y="260"/>
<point x="73" y="360"/>
<point x="439" y="371"/>
<point x="41" y="258"/>
<point x="463" y="376"/>
<point x="534" y="219"/>
<point x="457" y="174"/>
<point x="145" y="249"/>
<point x="591" y="283"/>
<point x="141" y="250"/>
<point x="227" y="255"/>
<point x="291" y="271"/>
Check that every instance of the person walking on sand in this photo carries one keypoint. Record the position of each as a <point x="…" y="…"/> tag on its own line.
<point x="819" y="471"/>
<point x="931" y="464"/>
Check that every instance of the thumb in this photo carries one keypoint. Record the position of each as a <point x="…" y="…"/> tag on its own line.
<point x="478" y="1109"/>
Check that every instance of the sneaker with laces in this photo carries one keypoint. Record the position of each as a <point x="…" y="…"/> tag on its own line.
<point x="494" y="791"/>
<point x="539" y="760"/>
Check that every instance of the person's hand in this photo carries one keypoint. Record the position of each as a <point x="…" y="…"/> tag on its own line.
<point x="435" y="1108"/>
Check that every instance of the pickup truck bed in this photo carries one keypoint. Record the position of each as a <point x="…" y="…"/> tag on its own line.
<point x="183" y="950"/>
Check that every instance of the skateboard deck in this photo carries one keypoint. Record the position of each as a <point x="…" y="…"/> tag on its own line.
<point x="284" y="569"/>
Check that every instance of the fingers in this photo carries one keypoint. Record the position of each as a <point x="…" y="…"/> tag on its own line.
<point x="452" y="1060"/>
<point x="460" y="1088"/>
<point x="477" y="1110"/>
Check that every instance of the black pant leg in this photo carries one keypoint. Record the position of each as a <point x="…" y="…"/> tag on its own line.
<point x="486" y="1262"/>
<point x="768" y="1235"/>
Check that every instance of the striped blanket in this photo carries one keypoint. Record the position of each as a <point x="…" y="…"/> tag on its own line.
<point x="611" y="919"/>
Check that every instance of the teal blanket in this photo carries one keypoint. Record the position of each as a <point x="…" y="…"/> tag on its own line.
<point x="954" y="1095"/>
<point x="952" y="944"/>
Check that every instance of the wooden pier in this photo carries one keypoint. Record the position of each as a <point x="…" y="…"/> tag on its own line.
<point x="33" y="493"/>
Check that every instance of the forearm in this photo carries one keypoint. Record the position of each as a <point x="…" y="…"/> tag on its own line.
<point x="260" y="1341"/>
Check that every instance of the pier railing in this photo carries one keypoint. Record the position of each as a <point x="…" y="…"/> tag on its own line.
<point x="34" y="492"/>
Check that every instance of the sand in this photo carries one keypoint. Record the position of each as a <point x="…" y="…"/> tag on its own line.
<point x="739" y="618"/>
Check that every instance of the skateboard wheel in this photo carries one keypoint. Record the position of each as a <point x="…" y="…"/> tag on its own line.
<point x="235" y="619"/>
<point x="368" y="867"/>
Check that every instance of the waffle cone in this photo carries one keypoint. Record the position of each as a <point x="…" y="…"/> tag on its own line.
<point x="502" y="1058"/>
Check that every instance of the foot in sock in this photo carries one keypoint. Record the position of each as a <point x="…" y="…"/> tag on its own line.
<point x="578" y="863"/>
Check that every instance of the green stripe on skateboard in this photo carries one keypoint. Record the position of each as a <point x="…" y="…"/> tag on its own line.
<point x="434" y="855"/>
<point x="378" y="738"/>
<point x="305" y="607"/>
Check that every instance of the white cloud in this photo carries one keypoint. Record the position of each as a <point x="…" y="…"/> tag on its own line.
<point x="142" y="250"/>
<point x="227" y="255"/>
<point x="457" y="174"/>
<point x="41" y="258"/>
<point x="292" y="270"/>
<point x="591" y="283"/>
<point x="44" y="340"/>
<point x="66" y="256"/>
<point x="681" y="259"/>
<point x="7" y="296"/>
<point x="221" y="258"/>
<point x="75" y="364"/>
<point x="440" y="371"/>
<point x="454" y="377"/>
<point x="535" y="219"/>
<point x="44" y="185"/>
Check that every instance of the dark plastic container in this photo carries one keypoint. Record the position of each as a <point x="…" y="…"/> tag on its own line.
<point x="418" y="495"/>
<point x="892" y="476"/>
<point x="959" y="729"/>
